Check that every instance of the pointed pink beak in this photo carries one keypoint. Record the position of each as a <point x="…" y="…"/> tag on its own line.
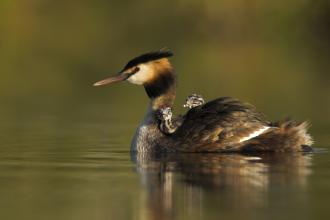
<point x="117" y="78"/>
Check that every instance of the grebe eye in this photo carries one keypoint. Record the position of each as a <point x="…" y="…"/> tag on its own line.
<point x="136" y="69"/>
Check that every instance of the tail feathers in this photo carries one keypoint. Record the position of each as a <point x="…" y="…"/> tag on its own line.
<point x="296" y="131"/>
<point x="288" y="135"/>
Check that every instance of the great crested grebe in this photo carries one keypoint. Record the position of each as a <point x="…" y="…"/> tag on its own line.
<point x="222" y="125"/>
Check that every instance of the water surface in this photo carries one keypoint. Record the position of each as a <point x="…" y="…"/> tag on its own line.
<point x="84" y="170"/>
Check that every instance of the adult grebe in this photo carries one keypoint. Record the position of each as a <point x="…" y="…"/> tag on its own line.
<point x="222" y="125"/>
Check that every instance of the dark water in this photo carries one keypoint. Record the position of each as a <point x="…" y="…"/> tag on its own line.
<point x="50" y="169"/>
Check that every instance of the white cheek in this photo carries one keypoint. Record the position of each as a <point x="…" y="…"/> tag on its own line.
<point x="135" y="80"/>
<point x="143" y="75"/>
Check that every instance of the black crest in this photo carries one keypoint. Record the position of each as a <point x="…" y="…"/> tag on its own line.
<point x="154" y="55"/>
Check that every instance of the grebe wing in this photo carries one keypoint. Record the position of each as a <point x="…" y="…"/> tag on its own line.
<point x="221" y="123"/>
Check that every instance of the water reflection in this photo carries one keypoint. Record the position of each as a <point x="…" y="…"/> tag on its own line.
<point x="233" y="179"/>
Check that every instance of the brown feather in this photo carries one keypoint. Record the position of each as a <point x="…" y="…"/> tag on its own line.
<point x="218" y="126"/>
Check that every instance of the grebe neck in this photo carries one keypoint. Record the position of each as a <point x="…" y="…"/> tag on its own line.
<point x="162" y="89"/>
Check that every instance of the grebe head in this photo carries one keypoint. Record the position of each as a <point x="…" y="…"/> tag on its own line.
<point x="152" y="70"/>
<point x="144" y="69"/>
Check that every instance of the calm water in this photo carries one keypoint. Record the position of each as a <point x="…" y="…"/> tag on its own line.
<point x="55" y="168"/>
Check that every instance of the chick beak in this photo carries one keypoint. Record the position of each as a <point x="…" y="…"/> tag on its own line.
<point x="117" y="78"/>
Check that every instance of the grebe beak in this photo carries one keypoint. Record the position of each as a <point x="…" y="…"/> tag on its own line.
<point x="117" y="78"/>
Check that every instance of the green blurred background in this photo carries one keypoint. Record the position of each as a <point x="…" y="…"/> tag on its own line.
<point x="64" y="143"/>
<point x="274" y="54"/>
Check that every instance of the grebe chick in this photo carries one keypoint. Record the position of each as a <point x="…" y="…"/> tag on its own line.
<point x="193" y="101"/>
<point x="167" y="124"/>
<point x="222" y="125"/>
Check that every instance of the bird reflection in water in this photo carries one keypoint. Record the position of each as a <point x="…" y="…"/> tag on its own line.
<point x="178" y="183"/>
